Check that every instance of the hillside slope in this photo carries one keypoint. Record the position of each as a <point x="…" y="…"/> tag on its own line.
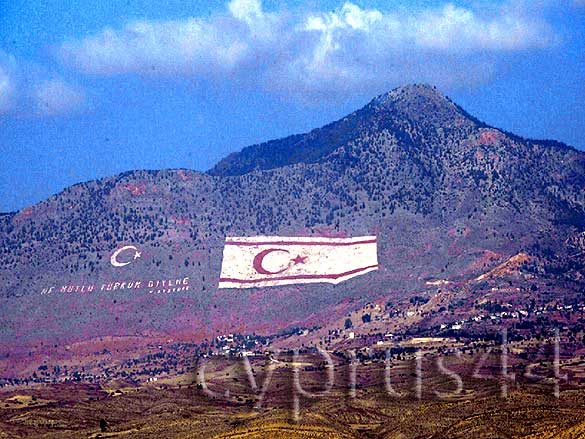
<point x="438" y="188"/>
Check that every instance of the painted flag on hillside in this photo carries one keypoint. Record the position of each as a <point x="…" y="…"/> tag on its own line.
<point x="263" y="261"/>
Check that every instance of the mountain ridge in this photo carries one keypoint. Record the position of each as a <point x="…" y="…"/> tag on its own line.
<point x="283" y="151"/>
<point x="216" y="170"/>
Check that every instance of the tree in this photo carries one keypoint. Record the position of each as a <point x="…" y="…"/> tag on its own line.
<point x="348" y="323"/>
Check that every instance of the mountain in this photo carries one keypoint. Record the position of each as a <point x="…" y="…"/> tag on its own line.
<point x="448" y="196"/>
<point x="386" y="112"/>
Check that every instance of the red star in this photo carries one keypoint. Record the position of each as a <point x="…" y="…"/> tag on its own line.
<point x="299" y="259"/>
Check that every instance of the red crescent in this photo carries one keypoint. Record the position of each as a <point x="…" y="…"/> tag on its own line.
<point x="259" y="258"/>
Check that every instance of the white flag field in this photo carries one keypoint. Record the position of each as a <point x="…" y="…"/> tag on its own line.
<point x="263" y="261"/>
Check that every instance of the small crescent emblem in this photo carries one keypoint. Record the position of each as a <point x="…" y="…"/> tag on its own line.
<point x="114" y="258"/>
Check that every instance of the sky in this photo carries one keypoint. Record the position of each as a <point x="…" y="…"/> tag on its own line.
<point x="97" y="88"/>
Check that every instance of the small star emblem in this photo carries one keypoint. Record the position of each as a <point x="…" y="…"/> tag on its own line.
<point x="137" y="255"/>
<point x="299" y="259"/>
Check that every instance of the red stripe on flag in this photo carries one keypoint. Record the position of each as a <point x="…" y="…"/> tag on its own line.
<point x="298" y="276"/>
<point x="371" y="241"/>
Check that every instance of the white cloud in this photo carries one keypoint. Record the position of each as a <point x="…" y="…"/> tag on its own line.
<point x="27" y="88"/>
<point x="6" y="91"/>
<point x="54" y="97"/>
<point x="7" y="83"/>
<point x="192" y="46"/>
<point x="246" y="10"/>
<point x="188" y="47"/>
<point x="453" y="29"/>
<point x="316" y="52"/>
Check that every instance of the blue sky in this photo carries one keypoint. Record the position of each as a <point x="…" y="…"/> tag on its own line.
<point x="104" y="87"/>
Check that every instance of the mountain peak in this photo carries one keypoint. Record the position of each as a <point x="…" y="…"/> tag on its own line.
<point x="395" y="111"/>
<point x="418" y="102"/>
<point x="411" y="91"/>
